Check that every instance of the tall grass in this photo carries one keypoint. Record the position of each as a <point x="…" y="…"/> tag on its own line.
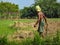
<point x="3" y="40"/>
<point x="36" y="41"/>
<point x="4" y="29"/>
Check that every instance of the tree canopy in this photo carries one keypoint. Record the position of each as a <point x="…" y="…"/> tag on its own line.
<point x="8" y="9"/>
<point x="50" y="8"/>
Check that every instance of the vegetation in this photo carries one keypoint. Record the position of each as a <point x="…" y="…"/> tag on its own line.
<point x="3" y="40"/>
<point x="11" y="11"/>
<point x="50" y="8"/>
<point x="36" y="41"/>
<point x="8" y="10"/>
<point x="4" y="27"/>
<point x="6" y="30"/>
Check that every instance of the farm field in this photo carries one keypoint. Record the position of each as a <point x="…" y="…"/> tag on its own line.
<point x="4" y="25"/>
<point x="24" y="31"/>
<point x="27" y="24"/>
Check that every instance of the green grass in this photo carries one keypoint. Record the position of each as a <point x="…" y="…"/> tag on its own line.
<point x="4" y="25"/>
<point x="36" y="41"/>
<point x="6" y="30"/>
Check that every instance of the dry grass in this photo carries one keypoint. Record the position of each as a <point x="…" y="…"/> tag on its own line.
<point x="26" y="26"/>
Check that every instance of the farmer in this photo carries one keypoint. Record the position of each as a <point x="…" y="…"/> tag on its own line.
<point x="41" y="20"/>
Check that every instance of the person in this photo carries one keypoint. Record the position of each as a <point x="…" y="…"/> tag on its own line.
<point x="41" y="20"/>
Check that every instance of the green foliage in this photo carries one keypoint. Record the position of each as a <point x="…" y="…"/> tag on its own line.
<point x="3" y="40"/>
<point x="13" y="43"/>
<point x="37" y="39"/>
<point x="50" y="8"/>
<point x="28" y="12"/>
<point x="4" y="29"/>
<point x="8" y="9"/>
<point x="40" y="41"/>
<point x="56" y="40"/>
<point x="27" y="41"/>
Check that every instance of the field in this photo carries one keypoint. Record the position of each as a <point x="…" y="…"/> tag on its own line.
<point x="53" y="24"/>
<point x="4" y="25"/>
<point x="26" y="25"/>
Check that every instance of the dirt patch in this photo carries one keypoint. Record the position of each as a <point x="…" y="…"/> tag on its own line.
<point x="20" y="35"/>
<point x="53" y="26"/>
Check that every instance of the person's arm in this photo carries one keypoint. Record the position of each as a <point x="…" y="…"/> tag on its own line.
<point x="37" y="20"/>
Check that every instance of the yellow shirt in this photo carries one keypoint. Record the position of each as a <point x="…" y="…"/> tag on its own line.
<point x="38" y="8"/>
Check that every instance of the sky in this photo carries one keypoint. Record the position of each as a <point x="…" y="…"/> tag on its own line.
<point x="22" y="3"/>
<point x="58" y="0"/>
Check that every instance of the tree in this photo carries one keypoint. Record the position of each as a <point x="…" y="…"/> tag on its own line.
<point x="7" y="9"/>
<point x="49" y="7"/>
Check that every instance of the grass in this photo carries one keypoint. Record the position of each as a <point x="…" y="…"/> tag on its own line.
<point x="6" y="30"/>
<point x="36" y="41"/>
<point x="4" y="25"/>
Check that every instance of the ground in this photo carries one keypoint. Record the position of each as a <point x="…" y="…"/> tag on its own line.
<point x="27" y="25"/>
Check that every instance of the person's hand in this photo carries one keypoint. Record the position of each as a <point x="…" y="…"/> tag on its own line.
<point x="34" y="25"/>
